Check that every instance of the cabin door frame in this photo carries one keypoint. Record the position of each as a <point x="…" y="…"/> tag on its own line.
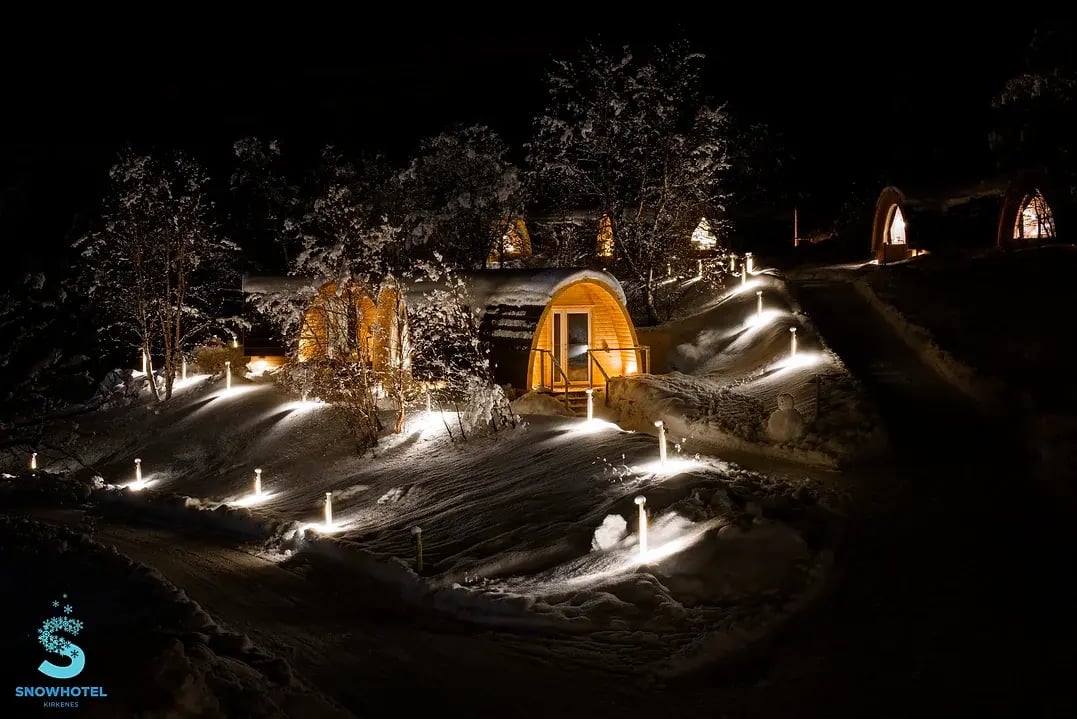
<point x="577" y="366"/>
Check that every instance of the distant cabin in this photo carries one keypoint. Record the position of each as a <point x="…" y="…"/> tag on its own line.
<point x="562" y="330"/>
<point x="999" y="213"/>
<point x="513" y="244"/>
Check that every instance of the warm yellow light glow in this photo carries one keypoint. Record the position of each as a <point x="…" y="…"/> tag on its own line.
<point x="792" y="342"/>
<point x="661" y="441"/>
<point x="33" y="461"/>
<point x="703" y="237"/>
<point x="590" y="404"/>
<point x="328" y="509"/>
<point x="749" y="261"/>
<point x="1035" y="221"/>
<point x="259" y="366"/>
<point x="604" y="240"/>
<point x="641" y="503"/>
<point x="897" y="227"/>
<point x="227" y="374"/>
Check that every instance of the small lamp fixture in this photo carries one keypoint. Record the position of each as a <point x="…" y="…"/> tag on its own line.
<point x="590" y="403"/>
<point x="185" y="368"/>
<point x="749" y="261"/>
<point x="759" y="304"/>
<point x="641" y="502"/>
<point x="743" y="275"/>
<point x="328" y="509"/>
<point x="138" y="473"/>
<point x="661" y="441"/>
<point x="257" y="483"/>
<point x="228" y="374"/>
<point x="33" y="461"/>
<point x="792" y="342"/>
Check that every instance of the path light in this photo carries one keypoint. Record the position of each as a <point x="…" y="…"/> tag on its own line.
<point x="138" y="473"/>
<point x="792" y="342"/>
<point x="759" y="303"/>
<point x="669" y="270"/>
<point x="328" y="509"/>
<point x="429" y="403"/>
<point x="732" y="264"/>
<point x="749" y="262"/>
<point x="257" y="483"/>
<point x="184" y="368"/>
<point x="417" y="532"/>
<point x="235" y="343"/>
<point x="641" y="501"/>
<point x="700" y="271"/>
<point x="228" y="374"/>
<point x="743" y="275"/>
<point x="33" y="461"/>
<point x="661" y="441"/>
<point x="590" y="404"/>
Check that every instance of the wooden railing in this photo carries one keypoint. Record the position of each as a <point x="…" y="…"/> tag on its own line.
<point x="559" y="380"/>
<point x="644" y="364"/>
<point x="554" y="366"/>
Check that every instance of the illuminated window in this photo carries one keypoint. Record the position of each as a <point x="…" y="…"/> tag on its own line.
<point x="895" y="233"/>
<point x="1034" y="221"/>
<point x="604" y="241"/>
<point x="702" y="237"/>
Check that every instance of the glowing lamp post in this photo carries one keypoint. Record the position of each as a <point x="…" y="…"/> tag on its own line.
<point x="641" y="503"/>
<point x="743" y="275"/>
<point x="661" y="441"/>
<point x="228" y="374"/>
<point x="759" y="304"/>
<point x="257" y="483"/>
<point x="590" y="404"/>
<point x="328" y="509"/>
<point x="417" y="532"/>
<point x="184" y="369"/>
<point x="33" y="461"/>
<point x="138" y="473"/>
<point x="699" y="272"/>
<point x="749" y="262"/>
<point x="235" y="343"/>
<point x="732" y="264"/>
<point x="792" y="342"/>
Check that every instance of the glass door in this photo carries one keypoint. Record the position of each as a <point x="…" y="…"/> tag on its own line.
<point x="571" y="340"/>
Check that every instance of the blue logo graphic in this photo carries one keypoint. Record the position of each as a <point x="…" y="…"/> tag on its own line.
<point x="48" y="636"/>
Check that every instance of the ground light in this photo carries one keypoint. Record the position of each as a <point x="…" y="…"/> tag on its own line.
<point x="792" y="342"/>
<point x="417" y="532"/>
<point x="227" y="374"/>
<point x="328" y="509"/>
<point x="33" y="461"/>
<point x="749" y="262"/>
<point x="743" y="275"/>
<point x="641" y="502"/>
<point x="669" y="270"/>
<point x="257" y="483"/>
<point x="138" y="473"/>
<point x="732" y="264"/>
<point x="590" y="404"/>
<point x="661" y="441"/>
<point x="235" y="343"/>
<point x="700" y="272"/>
<point x="759" y="304"/>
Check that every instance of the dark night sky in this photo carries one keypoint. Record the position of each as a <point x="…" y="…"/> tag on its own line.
<point x="833" y="91"/>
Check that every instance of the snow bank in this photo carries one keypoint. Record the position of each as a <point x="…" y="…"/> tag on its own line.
<point x="540" y="403"/>
<point x="154" y="650"/>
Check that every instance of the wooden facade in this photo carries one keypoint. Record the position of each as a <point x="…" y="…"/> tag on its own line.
<point x="344" y="322"/>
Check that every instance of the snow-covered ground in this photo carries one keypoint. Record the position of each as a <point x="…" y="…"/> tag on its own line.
<point x="532" y="529"/>
<point x="991" y="324"/>
<point x="719" y="371"/>
<point x="153" y="651"/>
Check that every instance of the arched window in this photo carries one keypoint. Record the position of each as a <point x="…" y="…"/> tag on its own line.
<point x="895" y="228"/>
<point x="1034" y="221"/>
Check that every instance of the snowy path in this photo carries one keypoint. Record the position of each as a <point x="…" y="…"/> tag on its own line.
<point x="350" y="643"/>
<point x="955" y="574"/>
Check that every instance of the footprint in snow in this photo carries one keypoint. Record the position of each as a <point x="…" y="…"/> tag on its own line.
<point x="394" y="495"/>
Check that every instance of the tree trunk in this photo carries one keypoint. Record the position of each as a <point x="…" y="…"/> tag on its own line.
<point x="652" y="310"/>
<point x="149" y="372"/>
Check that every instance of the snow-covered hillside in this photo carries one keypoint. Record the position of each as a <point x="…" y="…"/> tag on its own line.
<point x="153" y="651"/>
<point x="533" y="528"/>
<point x="721" y="369"/>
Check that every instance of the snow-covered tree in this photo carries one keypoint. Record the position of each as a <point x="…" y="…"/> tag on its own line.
<point x="156" y="269"/>
<point x="459" y="192"/>
<point x="262" y="198"/>
<point x="633" y="140"/>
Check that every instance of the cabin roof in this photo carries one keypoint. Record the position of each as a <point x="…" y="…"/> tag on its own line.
<point x="530" y="287"/>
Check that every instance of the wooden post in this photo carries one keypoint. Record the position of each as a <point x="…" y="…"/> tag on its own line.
<point x="417" y="532"/>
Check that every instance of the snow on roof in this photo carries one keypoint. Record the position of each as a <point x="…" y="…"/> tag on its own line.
<point x="263" y="284"/>
<point x="529" y="287"/>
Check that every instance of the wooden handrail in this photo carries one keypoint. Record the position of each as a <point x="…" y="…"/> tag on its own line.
<point x="555" y="365"/>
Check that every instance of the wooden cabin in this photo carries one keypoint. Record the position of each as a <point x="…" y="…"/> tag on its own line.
<point x="556" y="329"/>
<point x="513" y="245"/>
<point x="1027" y="217"/>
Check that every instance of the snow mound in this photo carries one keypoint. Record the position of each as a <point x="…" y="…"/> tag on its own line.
<point x="614" y="528"/>
<point x="540" y="403"/>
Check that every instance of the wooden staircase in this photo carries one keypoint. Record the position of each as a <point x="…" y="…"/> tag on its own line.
<point x="577" y="400"/>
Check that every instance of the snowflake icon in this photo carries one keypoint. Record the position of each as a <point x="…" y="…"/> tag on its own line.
<point x="74" y="653"/>
<point x="55" y="603"/>
<point x="67" y="609"/>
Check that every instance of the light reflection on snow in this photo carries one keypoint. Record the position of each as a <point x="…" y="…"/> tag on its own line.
<point x="591" y="426"/>
<point x="238" y="391"/>
<point x="323" y="528"/>
<point x="671" y="467"/>
<point x="253" y="499"/>
<point x="139" y="486"/>
<point x="303" y="406"/>
<point x="191" y="381"/>
<point x="800" y="360"/>
<point x="749" y="286"/>
<point x="758" y="321"/>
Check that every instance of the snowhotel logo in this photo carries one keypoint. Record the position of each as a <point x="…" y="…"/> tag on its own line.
<point x="52" y="641"/>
